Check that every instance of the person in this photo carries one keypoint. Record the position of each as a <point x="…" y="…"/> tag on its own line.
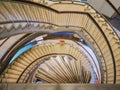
<point x="97" y="81"/>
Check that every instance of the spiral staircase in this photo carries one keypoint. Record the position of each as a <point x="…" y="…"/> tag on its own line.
<point x="79" y="46"/>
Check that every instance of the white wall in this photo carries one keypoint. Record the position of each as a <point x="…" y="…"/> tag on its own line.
<point x="116" y="3"/>
<point x="103" y="7"/>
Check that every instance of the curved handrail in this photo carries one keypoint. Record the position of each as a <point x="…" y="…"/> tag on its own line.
<point x="108" y="43"/>
<point x="95" y="43"/>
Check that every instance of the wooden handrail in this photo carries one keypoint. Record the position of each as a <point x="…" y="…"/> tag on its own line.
<point x="105" y="37"/>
